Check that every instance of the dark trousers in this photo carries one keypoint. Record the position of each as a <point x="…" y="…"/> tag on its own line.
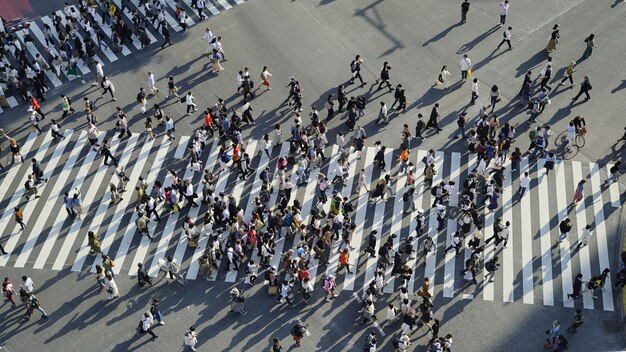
<point x="21" y="222"/>
<point x="507" y="41"/>
<point x="108" y="155"/>
<point x="168" y="40"/>
<point x="127" y="131"/>
<point x="357" y="75"/>
<point x="463" y="16"/>
<point x="380" y="86"/>
<point x="570" y="77"/>
<point x="56" y="134"/>
<point x="149" y="331"/>
<point x="104" y="92"/>
<point x="586" y="92"/>
<point x="153" y="211"/>
<point x="502" y="19"/>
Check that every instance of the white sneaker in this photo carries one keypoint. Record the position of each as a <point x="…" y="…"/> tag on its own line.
<point x="161" y="323"/>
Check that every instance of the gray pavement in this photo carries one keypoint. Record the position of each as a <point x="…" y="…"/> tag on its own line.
<point x="315" y="42"/>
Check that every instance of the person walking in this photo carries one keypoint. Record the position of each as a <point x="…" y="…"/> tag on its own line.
<point x="554" y="39"/>
<point x="105" y="150"/>
<point x="504" y="10"/>
<point x="474" y="91"/>
<point x="565" y="227"/>
<point x="577" y="287"/>
<point x="66" y="106"/>
<point x="384" y="77"/>
<point x="383" y="116"/>
<point x="167" y="35"/>
<point x="297" y="332"/>
<point x="506" y="38"/>
<point x="578" y="194"/>
<point x="54" y="130"/>
<point x="142" y="100"/>
<point x="466" y="67"/>
<point x="145" y="325"/>
<point x="355" y="69"/>
<point x="143" y="278"/>
<point x="191" y="337"/>
<point x="552" y="334"/>
<point x="34" y="105"/>
<point x="344" y="262"/>
<point x="32" y="303"/>
<point x="591" y="44"/>
<point x="190" y="103"/>
<point x="465" y="5"/>
<point x="151" y="83"/>
<point x="37" y="172"/>
<point x="433" y="119"/>
<point x="111" y="286"/>
<point x="492" y="266"/>
<point x="569" y="74"/>
<point x="585" y="87"/>
<point x="94" y="243"/>
<point x="122" y="124"/>
<point x="265" y="78"/>
<point x="107" y="86"/>
<point x="19" y="216"/>
<point x="524" y="181"/>
<point x="441" y="79"/>
<point x="9" y="291"/>
<point x="169" y="128"/>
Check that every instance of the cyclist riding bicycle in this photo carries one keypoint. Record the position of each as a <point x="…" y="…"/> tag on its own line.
<point x="571" y="134"/>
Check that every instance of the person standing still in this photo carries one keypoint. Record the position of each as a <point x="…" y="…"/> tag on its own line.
<point x="464" y="10"/>
<point x="504" y="10"/>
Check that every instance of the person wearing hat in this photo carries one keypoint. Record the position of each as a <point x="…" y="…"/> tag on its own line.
<point x="236" y="301"/>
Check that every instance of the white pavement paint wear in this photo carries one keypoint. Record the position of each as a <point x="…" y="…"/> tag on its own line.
<point x="450" y="258"/>
<point x="98" y="219"/>
<point x="355" y="241"/>
<point x="527" y="239"/>
<point x="544" y="232"/>
<point x="131" y="228"/>
<point x="182" y="147"/>
<point x="53" y="198"/>
<point x="507" y="260"/>
<point x="613" y="189"/>
<point x="12" y="173"/>
<point x="194" y="266"/>
<point x="361" y="213"/>
<point x="144" y="245"/>
<point x="29" y="215"/>
<point x="231" y="276"/>
<point x="33" y="51"/>
<point x="566" y="268"/>
<point x="120" y="208"/>
<point x="431" y="260"/>
<point x="580" y="222"/>
<point x="88" y="199"/>
<point x="79" y="180"/>
<point x="600" y="234"/>
<point x="419" y="191"/>
<point x="17" y="197"/>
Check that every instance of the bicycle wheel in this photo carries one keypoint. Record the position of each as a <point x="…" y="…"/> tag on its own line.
<point x="580" y="140"/>
<point x="181" y="279"/>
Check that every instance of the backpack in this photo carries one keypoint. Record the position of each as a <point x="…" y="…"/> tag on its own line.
<point x="563" y="341"/>
<point x="395" y="343"/>
<point x="433" y="191"/>
<point x="225" y="157"/>
<point x="425" y="159"/>
<point x="27" y="185"/>
<point x="263" y="175"/>
<point x="531" y="135"/>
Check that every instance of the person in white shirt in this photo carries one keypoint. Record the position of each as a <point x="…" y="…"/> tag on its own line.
<point x="474" y="91"/>
<point x="382" y="115"/>
<point x="99" y="73"/>
<point x="341" y="141"/>
<point x="146" y="323"/>
<point x="506" y="38"/>
<point x="200" y="8"/>
<point x="504" y="10"/>
<point x="208" y="36"/>
<point x="503" y="235"/>
<point x="191" y="105"/>
<point x="466" y="65"/>
<point x="586" y="235"/>
<point x="27" y="284"/>
<point x="191" y="338"/>
<point x="523" y="184"/>
<point x="151" y="83"/>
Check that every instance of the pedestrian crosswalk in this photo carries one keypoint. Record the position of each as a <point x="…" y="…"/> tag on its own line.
<point x="533" y="269"/>
<point x="106" y="55"/>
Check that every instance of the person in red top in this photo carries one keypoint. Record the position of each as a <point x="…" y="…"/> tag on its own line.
<point x="36" y="107"/>
<point x="343" y="261"/>
<point x="236" y="156"/>
<point x="208" y="122"/>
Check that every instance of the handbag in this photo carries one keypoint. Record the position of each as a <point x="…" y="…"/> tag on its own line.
<point x="272" y="289"/>
<point x="469" y="72"/>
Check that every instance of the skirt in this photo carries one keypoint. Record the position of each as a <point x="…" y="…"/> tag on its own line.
<point x="552" y="44"/>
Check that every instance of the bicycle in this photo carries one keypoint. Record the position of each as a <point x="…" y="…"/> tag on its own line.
<point x="178" y="276"/>
<point x="578" y="140"/>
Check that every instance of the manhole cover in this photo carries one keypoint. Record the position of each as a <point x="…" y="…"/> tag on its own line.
<point x="610" y="326"/>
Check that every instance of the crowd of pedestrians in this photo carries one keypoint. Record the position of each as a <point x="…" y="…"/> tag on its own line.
<point x="234" y="239"/>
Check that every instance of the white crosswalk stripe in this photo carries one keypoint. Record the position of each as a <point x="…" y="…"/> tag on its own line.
<point x="106" y="55"/>
<point x="534" y="218"/>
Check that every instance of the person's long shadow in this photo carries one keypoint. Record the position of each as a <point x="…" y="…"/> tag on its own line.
<point x="469" y="46"/>
<point x="620" y="87"/>
<point x="617" y="2"/>
<point x="442" y="34"/>
<point x="536" y="59"/>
